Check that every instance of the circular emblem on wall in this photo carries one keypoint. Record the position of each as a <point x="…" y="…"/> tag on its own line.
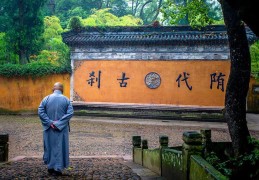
<point x="152" y="80"/>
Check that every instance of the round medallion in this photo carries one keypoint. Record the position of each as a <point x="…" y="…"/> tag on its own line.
<point x="152" y="80"/>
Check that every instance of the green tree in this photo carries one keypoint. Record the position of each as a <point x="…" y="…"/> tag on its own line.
<point x="75" y="23"/>
<point x="118" y="7"/>
<point x="247" y="10"/>
<point x="195" y="13"/>
<point x="52" y="28"/>
<point x="3" y="18"/>
<point x="129" y="20"/>
<point x="238" y="83"/>
<point x="147" y="10"/>
<point x="54" y="50"/>
<point x="103" y="17"/>
<point x="77" y="11"/>
<point x="240" y="71"/>
<point x="5" y="55"/>
<point x="66" y="9"/>
<point x="215" y="11"/>
<point x="25" y="27"/>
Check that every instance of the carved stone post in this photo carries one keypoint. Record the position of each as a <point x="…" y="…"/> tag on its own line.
<point x="206" y="140"/>
<point x="4" y="138"/>
<point x="192" y="146"/>
<point x="136" y="142"/>
<point x="163" y="140"/>
<point x="144" y="144"/>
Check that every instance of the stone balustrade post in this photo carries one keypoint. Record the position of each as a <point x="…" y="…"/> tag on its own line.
<point x="163" y="140"/>
<point x="192" y="146"/>
<point x="4" y="138"/>
<point x="136" y="142"/>
<point x="144" y="144"/>
<point x="206" y="140"/>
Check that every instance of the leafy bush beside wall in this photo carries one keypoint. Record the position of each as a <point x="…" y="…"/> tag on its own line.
<point x="53" y="58"/>
<point x="254" y="51"/>
<point x="34" y="69"/>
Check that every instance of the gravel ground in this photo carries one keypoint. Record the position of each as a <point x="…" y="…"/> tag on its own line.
<point x="96" y="137"/>
<point x="92" y="136"/>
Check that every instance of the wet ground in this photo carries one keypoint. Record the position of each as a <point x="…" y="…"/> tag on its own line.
<point x="99" y="138"/>
<point x="80" y="168"/>
<point x="91" y="136"/>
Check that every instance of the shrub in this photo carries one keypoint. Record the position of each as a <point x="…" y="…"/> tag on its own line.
<point x="75" y="23"/>
<point x="247" y="164"/>
<point x="33" y="69"/>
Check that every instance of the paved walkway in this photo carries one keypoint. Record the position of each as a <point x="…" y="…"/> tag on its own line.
<point x="80" y="168"/>
<point x="100" y="148"/>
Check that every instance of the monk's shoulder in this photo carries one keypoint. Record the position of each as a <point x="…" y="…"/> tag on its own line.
<point x="66" y="98"/>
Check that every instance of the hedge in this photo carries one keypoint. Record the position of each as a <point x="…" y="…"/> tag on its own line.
<point x="34" y="69"/>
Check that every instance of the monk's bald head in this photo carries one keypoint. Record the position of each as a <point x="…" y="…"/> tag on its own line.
<point x="58" y="86"/>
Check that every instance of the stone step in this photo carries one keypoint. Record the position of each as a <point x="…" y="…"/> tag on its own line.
<point x="167" y="112"/>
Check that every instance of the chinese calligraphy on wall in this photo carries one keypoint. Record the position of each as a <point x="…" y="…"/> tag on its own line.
<point x="153" y="80"/>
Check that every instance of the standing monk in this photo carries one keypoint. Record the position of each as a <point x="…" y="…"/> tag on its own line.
<point x="55" y="112"/>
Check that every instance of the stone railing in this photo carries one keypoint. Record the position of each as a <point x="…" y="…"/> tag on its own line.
<point x="4" y="138"/>
<point x="184" y="162"/>
<point x="172" y="165"/>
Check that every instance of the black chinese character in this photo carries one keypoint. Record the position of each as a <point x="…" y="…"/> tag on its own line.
<point x="94" y="79"/>
<point x="185" y="78"/>
<point x="123" y="82"/>
<point x="218" y="79"/>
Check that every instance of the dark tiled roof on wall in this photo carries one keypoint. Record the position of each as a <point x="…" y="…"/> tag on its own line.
<point x="145" y="35"/>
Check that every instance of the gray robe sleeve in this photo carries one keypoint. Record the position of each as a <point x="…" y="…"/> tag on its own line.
<point x="45" y="120"/>
<point x="63" y="121"/>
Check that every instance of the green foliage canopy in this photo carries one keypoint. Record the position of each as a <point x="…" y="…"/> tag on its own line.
<point x="75" y="23"/>
<point x="196" y="13"/>
<point x="54" y="49"/>
<point x="103" y="17"/>
<point x="25" y="26"/>
<point x="52" y="59"/>
<point x="5" y="55"/>
<point x="147" y="10"/>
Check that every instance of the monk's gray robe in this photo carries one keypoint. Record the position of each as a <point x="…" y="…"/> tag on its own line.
<point x="58" y="110"/>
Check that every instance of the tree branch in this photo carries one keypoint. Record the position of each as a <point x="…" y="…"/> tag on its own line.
<point x="142" y="8"/>
<point x="136" y="7"/>
<point x="157" y="10"/>
<point x="247" y="10"/>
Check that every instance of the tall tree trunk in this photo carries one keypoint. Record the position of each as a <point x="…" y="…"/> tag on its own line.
<point x="247" y="11"/>
<point x="21" y="51"/>
<point x="22" y="57"/>
<point x="238" y="83"/>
